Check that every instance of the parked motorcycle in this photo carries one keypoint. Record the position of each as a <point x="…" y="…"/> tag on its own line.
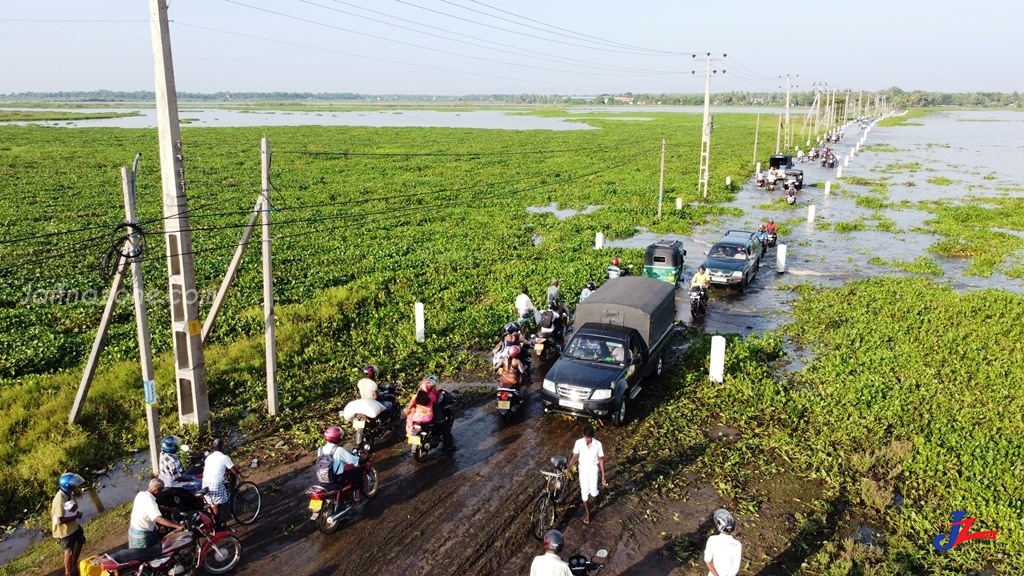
<point x="427" y="437"/>
<point x="186" y="551"/>
<point x="698" y="301"/>
<point x="330" y="504"/>
<point x="580" y="565"/>
<point x="372" y="425"/>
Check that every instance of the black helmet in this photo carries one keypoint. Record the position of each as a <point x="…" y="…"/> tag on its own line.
<point x="511" y="328"/>
<point x="553" y="541"/>
<point x="591" y="285"/>
<point x="724" y="520"/>
<point x="370" y="371"/>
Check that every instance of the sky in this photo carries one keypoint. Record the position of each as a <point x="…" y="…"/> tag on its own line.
<point x="567" y="47"/>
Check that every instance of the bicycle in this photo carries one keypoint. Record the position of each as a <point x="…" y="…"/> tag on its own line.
<point x="545" y="508"/>
<point x="244" y="500"/>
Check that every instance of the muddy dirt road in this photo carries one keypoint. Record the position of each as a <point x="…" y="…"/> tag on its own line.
<point x="461" y="514"/>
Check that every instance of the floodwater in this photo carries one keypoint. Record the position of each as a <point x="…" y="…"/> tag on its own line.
<point x="426" y="519"/>
<point x="978" y="151"/>
<point x="111" y="488"/>
<point x="221" y="118"/>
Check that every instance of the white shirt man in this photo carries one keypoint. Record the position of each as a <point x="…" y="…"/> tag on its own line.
<point x="214" y="470"/>
<point x="723" y="555"/>
<point x="590" y="454"/>
<point x="145" y="517"/>
<point x="549" y="565"/>
<point x="524" y="306"/>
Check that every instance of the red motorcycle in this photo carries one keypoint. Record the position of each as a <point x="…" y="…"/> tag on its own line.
<point x="330" y="504"/>
<point x="180" y="552"/>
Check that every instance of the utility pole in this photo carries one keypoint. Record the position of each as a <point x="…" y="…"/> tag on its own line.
<point x="789" y="133"/>
<point x="757" y="129"/>
<point x="189" y="360"/>
<point x="268" y="283"/>
<point x="705" y="141"/>
<point x="142" y="319"/>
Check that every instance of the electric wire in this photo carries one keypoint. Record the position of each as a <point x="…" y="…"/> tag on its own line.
<point x="633" y="52"/>
<point x="542" y="55"/>
<point x="410" y="44"/>
<point x="578" y="34"/>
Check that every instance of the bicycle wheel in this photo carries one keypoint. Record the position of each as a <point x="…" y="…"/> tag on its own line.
<point x="542" y="516"/>
<point x="246" y="503"/>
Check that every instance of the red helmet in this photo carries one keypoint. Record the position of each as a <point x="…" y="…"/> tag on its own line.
<point x="615" y="261"/>
<point x="370" y="371"/>
<point x="332" y="435"/>
<point x="513" y="351"/>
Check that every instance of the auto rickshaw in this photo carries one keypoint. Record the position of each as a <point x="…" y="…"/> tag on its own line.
<point x="664" y="260"/>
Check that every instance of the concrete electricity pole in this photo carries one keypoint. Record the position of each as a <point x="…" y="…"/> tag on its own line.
<point x="789" y="131"/>
<point x="189" y="361"/>
<point x="705" y="141"/>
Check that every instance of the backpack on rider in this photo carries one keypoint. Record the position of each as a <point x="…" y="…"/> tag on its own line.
<point x="324" y="466"/>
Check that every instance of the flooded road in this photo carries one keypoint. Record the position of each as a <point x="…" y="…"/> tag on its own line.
<point x="978" y="151"/>
<point x="469" y="513"/>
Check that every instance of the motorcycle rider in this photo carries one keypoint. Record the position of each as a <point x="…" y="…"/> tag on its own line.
<point x="587" y="290"/>
<point x="146" y="516"/>
<point x="171" y="470"/>
<point x="423" y="409"/>
<point x="701" y="279"/>
<point x="525" y="308"/>
<point x="553" y="321"/>
<point x="367" y="386"/>
<point x="771" y="227"/>
<point x="512" y="337"/>
<point x="762" y="234"/>
<point x="341" y="459"/>
<point x="549" y="563"/>
<point x="512" y="372"/>
<point x="553" y="293"/>
<point x="613" y="269"/>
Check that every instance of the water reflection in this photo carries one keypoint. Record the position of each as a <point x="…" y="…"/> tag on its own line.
<point x="222" y="118"/>
<point x="562" y="213"/>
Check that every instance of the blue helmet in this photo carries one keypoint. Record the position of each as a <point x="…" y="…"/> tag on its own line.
<point x="170" y="445"/>
<point x="69" y="481"/>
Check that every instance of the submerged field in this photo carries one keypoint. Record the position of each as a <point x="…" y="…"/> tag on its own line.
<point x="901" y="417"/>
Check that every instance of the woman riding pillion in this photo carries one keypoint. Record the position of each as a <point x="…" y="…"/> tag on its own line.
<point x="513" y="372"/>
<point x="423" y="409"/>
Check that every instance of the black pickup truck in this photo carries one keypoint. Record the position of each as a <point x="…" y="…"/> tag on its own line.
<point x="622" y="331"/>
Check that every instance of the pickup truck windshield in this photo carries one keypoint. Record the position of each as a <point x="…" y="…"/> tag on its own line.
<point x="596" y="349"/>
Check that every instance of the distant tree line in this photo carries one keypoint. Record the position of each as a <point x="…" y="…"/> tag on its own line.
<point x="895" y="97"/>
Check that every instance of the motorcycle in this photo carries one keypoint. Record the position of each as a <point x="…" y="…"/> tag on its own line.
<point x="698" y="301"/>
<point x="186" y="551"/>
<point x="430" y="436"/>
<point x="510" y="399"/>
<point x="372" y="425"/>
<point x="791" y="197"/>
<point x="330" y="504"/>
<point x="773" y="238"/>
<point x="580" y="565"/>
<point x="547" y="346"/>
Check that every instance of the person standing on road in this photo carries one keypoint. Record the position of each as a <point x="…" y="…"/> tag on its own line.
<point x="146" y="516"/>
<point x="723" y="553"/>
<point x="590" y="454"/>
<point x="217" y="466"/>
<point x="549" y="563"/>
<point x="65" y="527"/>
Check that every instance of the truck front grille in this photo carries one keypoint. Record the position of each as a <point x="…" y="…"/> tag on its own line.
<point x="577" y="393"/>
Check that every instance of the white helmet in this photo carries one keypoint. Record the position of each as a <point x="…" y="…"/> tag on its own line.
<point x="724" y="520"/>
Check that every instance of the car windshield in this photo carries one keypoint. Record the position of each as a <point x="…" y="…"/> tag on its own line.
<point x="596" y="349"/>
<point x="720" y="251"/>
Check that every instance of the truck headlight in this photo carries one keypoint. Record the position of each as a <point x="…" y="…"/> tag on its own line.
<point x="601" y="394"/>
<point x="737" y="274"/>
<point x="549" y="385"/>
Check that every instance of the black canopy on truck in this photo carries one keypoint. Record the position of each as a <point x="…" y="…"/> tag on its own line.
<point x="646" y="304"/>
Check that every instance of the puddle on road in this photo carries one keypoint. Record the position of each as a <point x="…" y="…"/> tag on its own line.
<point x="118" y="485"/>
